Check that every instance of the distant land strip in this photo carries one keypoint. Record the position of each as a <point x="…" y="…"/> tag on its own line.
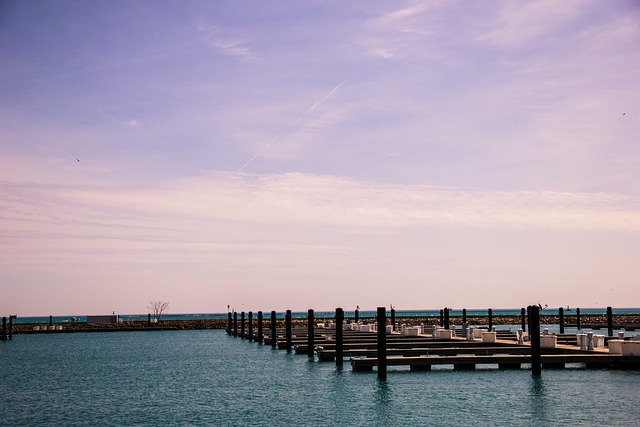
<point x="620" y="321"/>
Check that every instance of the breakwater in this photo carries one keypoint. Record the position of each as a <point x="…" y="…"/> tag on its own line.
<point x="589" y="321"/>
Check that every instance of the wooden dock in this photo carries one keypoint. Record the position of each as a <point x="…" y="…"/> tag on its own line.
<point x="420" y="351"/>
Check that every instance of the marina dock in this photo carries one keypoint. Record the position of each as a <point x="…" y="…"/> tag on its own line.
<point x="366" y="347"/>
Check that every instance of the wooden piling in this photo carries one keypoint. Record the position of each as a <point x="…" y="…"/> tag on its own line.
<point x="273" y="329"/>
<point x="382" y="343"/>
<point x="310" y="331"/>
<point x="149" y="320"/>
<point x="609" y="321"/>
<point x="251" y="326"/>
<point x="50" y="320"/>
<point x="235" y="323"/>
<point x="446" y="318"/>
<point x="11" y="326"/>
<point x="523" y="319"/>
<point x="287" y="326"/>
<point x="464" y="315"/>
<point x="490" y="321"/>
<point x="561" y="319"/>
<point x="242" y="325"/>
<point x="339" y="333"/>
<point x="534" y="338"/>
<point x="393" y="318"/>
<point x="229" y="323"/>
<point x="3" y="335"/>
<point x="442" y="318"/>
<point x="260" y="332"/>
<point x="578" y="319"/>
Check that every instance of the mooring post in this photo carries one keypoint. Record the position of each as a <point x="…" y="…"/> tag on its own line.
<point x="251" y="326"/>
<point x="523" y="319"/>
<point x="50" y="320"/>
<point x="235" y="323"/>
<point x="229" y="323"/>
<point x="382" y="342"/>
<point x="149" y="320"/>
<point x="534" y="338"/>
<point x="578" y="318"/>
<point x="273" y="329"/>
<point x="490" y="319"/>
<point x="242" y="325"/>
<point x="446" y="318"/>
<point x="287" y="325"/>
<point x="3" y="336"/>
<point x="393" y="318"/>
<point x="441" y="317"/>
<point x="260" y="333"/>
<point x="464" y="315"/>
<point x="561" y="319"/>
<point x="339" y="330"/>
<point x="609" y="322"/>
<point x="11" y="326"/>
<point x="310" y="331"/>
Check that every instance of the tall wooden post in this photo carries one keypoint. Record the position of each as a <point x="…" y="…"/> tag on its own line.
<point x="287" y="325"/>
<point x="561" y="319"/>
<point x="339" y="332"/>
<point x="251" y="326"/>
<point x="534" y="337"/>
<point x="382" y="342"/>
<point x="235" y="323"/>
<point x="3" y="333"/>
<point x="310" y="333"/>
<point x="242" y="325"/>
<point x="260" y="332"/>
<point x="442" y="318"/>
<point x="578" y="325"/>
<point x="523" y="319"/>
<point x="446" y="318"/>
<point x="273" y="329"/>
<point x="50" y="320"/>
<point x="609" y="322"/>
<point x="464" y="315"/>
<point x="393" y="318"/>
<point x="11" y="326"/>
<point x="229" y="323"/>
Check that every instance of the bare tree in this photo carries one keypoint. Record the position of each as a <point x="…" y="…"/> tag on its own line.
<point x="158" y="309"/>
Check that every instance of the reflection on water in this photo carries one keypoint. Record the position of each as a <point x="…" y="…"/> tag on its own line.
<point x="538" y="398"/>
<point x="383" y="399"/>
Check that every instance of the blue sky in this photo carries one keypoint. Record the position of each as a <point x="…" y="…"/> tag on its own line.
<point x="286" y="154"/>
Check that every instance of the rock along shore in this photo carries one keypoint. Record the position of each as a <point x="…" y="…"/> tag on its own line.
<point x="620" y="321"/>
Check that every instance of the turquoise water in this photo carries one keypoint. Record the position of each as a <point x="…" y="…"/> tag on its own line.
<point x="330" y="314"/>
<point x="205" y="378"/>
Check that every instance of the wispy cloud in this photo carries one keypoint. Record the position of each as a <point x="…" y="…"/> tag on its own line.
<point x="311" y="200"/>
<point x="520" y="23"/>
<point x="221" y="39"/>
<point x="389" y="34"/>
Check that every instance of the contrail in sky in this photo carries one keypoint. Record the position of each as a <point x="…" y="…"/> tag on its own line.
<point x="270" y="143"/>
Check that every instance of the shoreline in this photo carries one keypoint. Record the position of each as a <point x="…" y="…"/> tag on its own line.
<point x="620" y="321"/>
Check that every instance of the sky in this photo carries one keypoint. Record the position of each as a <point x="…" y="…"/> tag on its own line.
<point x="318" y="154"/>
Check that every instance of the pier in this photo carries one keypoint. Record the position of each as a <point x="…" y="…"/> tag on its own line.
<point x="367" y="346"/>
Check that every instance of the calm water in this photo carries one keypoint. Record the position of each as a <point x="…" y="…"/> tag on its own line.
<point x="207" y="378"/>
